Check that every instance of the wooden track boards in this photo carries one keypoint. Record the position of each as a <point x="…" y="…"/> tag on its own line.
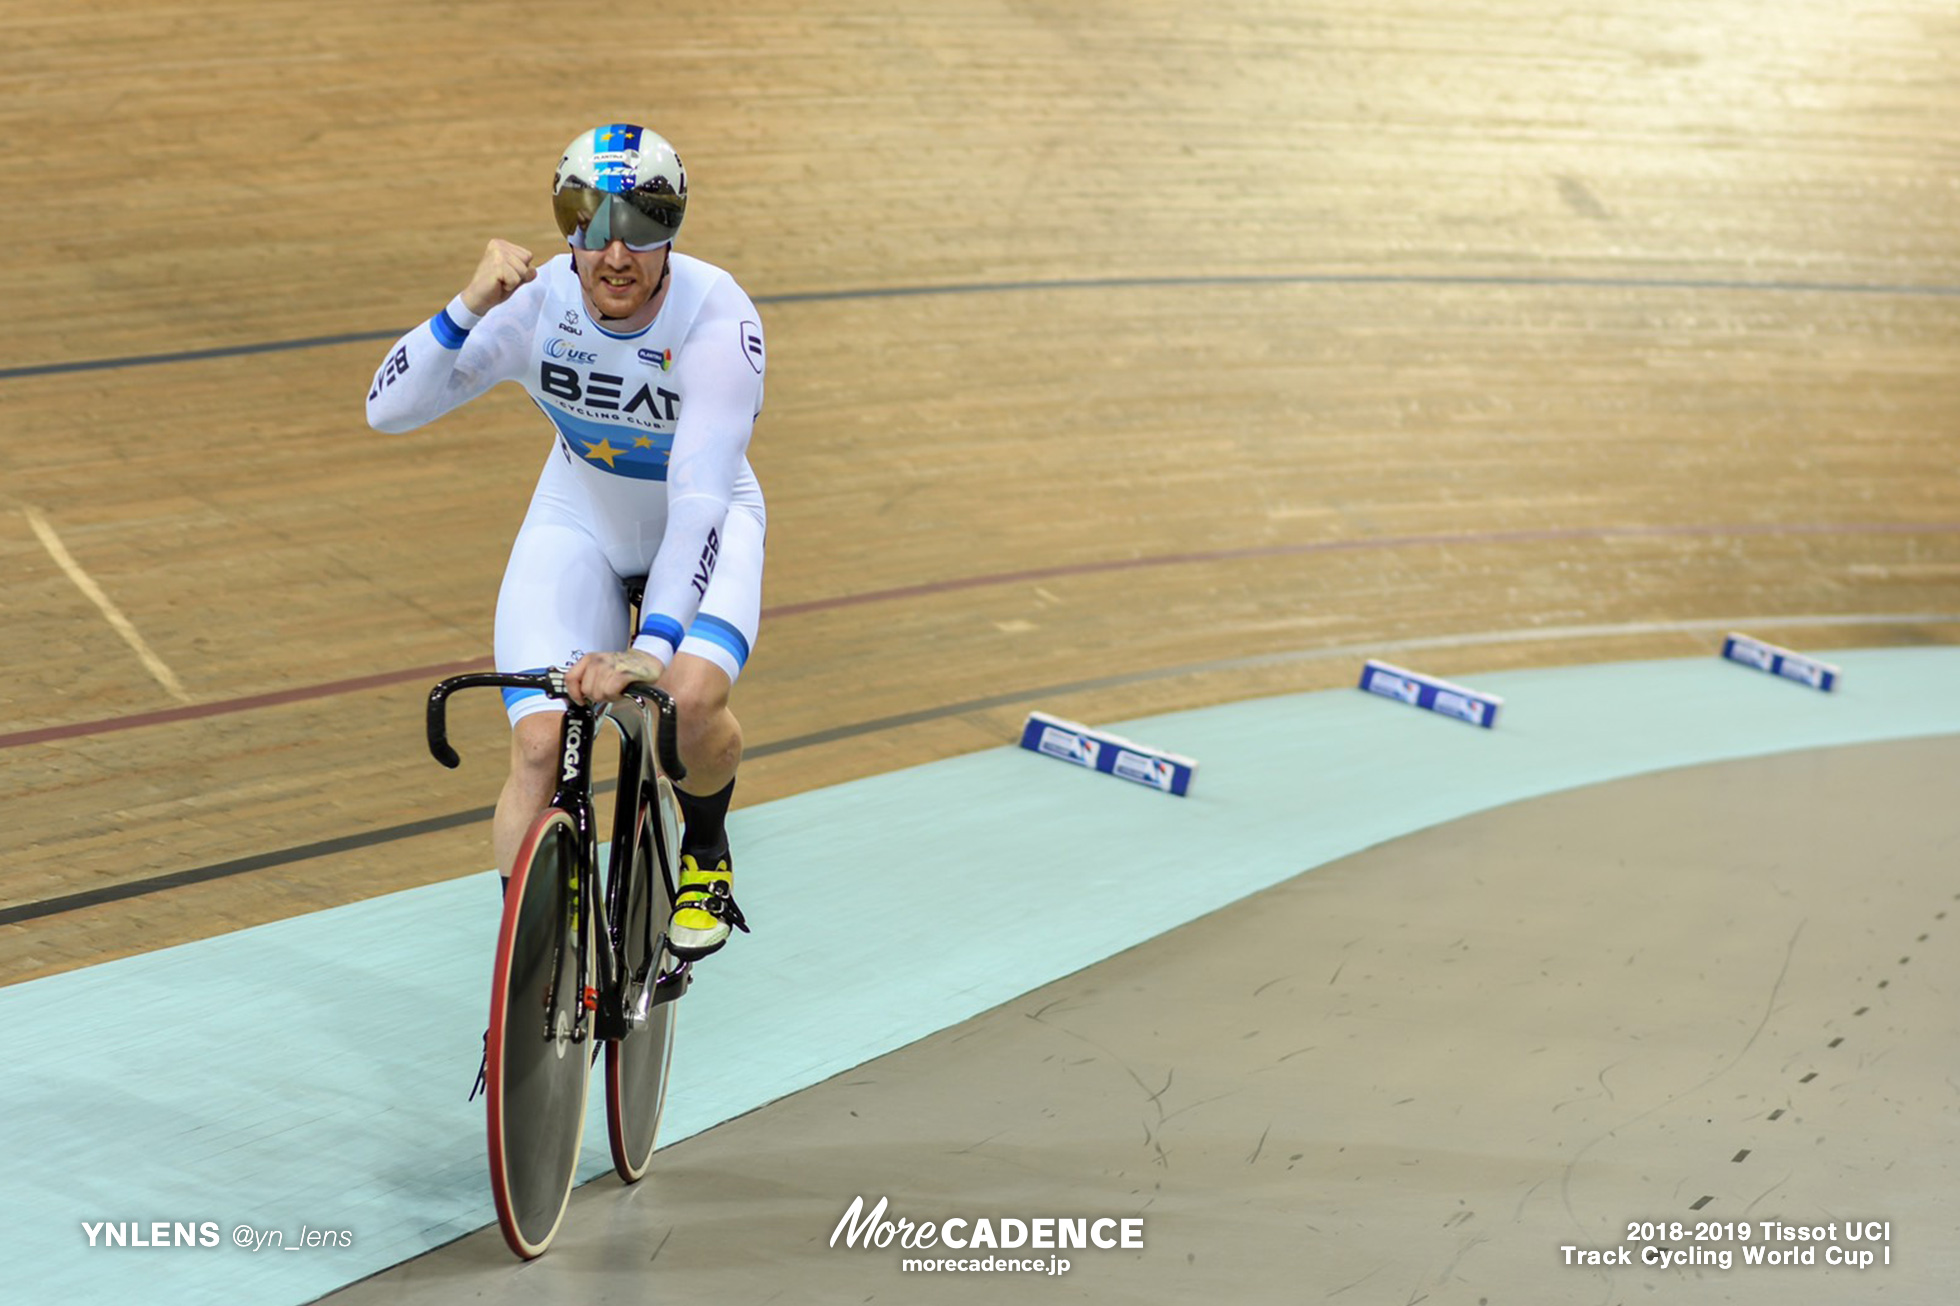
<point x="1516" y="319"/>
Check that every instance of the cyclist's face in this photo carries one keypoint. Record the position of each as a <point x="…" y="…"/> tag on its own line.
<point x="620" y="283"/>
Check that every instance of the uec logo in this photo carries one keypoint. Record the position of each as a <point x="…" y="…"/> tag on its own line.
<point x="556" y="348"/>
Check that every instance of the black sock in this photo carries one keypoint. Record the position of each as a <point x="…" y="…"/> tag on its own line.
<point x="706" y="832"/>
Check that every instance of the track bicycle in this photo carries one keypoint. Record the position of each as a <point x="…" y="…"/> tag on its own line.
<point x="569" y="978"/>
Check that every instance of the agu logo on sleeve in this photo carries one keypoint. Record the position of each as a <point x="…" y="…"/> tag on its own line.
<point x="752" y="345"/>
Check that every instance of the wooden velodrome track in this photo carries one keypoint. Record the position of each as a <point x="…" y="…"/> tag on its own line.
<point x="1110" y="343"/>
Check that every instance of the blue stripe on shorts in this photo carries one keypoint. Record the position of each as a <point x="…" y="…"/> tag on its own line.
<point x="512" y="697"/>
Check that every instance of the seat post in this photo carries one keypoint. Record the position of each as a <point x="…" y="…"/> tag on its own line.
<point x="635" y="590"/>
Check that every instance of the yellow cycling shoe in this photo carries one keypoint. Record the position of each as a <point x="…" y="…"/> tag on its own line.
<point x="704" y="906"/>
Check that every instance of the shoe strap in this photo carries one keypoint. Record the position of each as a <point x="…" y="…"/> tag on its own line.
<point x="714" y="898"/>
<point x="706" y="888"/>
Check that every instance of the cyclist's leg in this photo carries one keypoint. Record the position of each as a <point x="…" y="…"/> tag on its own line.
<point x="560" y="599"/>
<point x="701" y="680"/>
<point x="528" y="787"/>
<point x="712" y="656"/>
<point x="710" y="735"/>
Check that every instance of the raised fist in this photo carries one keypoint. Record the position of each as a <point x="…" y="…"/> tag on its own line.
<point x="504" y="268"/>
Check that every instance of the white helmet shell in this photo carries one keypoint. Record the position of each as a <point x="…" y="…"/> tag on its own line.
<point x="619" y="182"/>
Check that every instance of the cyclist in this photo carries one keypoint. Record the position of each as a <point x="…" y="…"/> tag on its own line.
<point x="649" y="365"/>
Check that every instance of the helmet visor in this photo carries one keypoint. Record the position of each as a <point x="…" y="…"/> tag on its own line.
<point x="593" y="219"/>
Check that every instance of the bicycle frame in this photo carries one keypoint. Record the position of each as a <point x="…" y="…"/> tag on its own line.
<point x="637" y="801"/>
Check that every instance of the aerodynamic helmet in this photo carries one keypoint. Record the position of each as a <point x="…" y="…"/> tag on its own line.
<point x="619" y="182"/>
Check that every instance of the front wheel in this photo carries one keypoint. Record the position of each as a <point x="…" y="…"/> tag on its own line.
<point x="538" y="1053"/>
<point x="637" y="1063"/>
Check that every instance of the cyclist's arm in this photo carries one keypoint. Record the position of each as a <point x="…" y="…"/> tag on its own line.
<point x="720" y="375"/>
<point x="451" y="359"/>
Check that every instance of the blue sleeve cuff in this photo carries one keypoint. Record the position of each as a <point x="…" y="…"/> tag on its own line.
<point x="660" y="636"/>
<point x="451" y="326"/>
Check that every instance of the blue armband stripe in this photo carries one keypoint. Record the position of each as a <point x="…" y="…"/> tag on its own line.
<point x="447" y="333"/>
<point x="716" y="631"/>
<point x="662" y="628"/>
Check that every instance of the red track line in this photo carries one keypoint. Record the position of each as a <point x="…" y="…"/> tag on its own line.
<point x="224" y="706"/>
<point x="1537" y="536"/>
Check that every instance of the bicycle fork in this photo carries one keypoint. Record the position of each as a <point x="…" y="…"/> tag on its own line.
<point x="574" y="797"/>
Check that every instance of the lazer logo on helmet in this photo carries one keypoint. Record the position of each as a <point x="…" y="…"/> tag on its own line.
<point x="602" y="390"/>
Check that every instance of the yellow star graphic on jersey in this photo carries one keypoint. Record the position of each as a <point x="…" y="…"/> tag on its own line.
<point x="643" y="443"/>
<point x="603" y="451"/>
